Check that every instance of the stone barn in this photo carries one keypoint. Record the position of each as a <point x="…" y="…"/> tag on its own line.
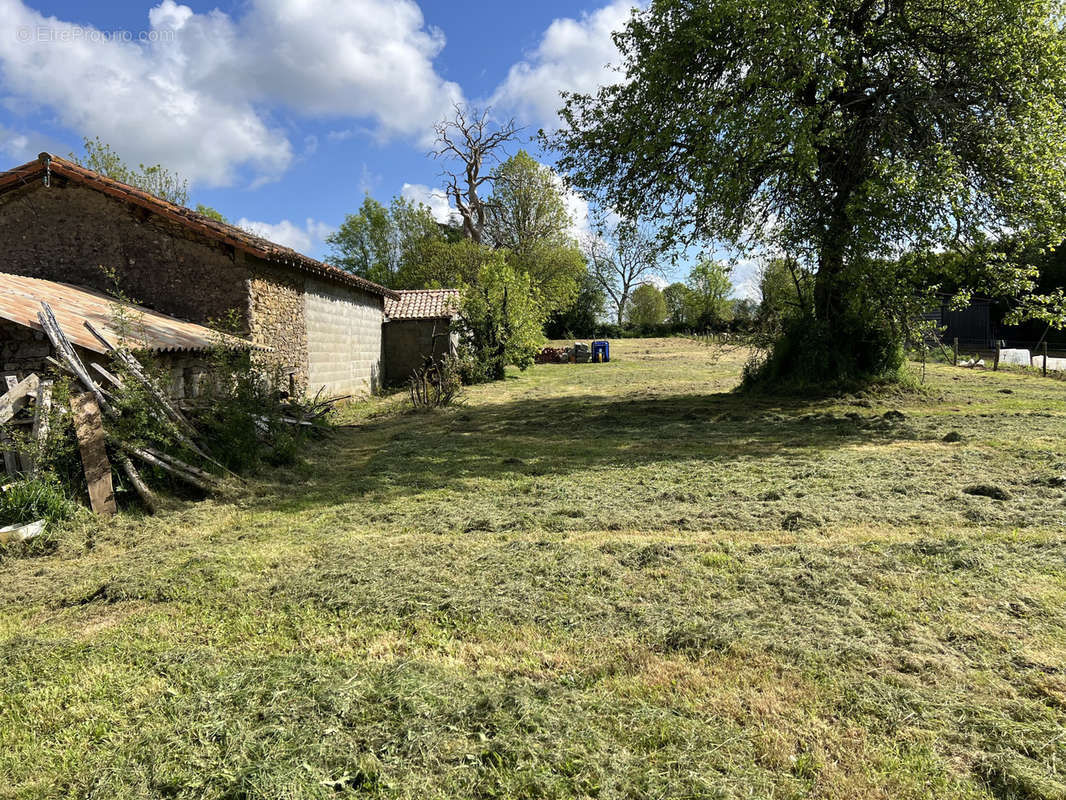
<point x="64" y="223"/>
<point x="417" y="327"/>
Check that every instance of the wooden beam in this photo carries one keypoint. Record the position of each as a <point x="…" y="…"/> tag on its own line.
<point x="42" y="412"/>
<point x="114" y="379"/>
<point x="12" y="402"/>
<point x="155" y="461"/>
<point x="206" y="477"/>
<point x="89" y="427"/>
<point x="11" y="462"/>
<point x="149" y="499"/>
<point x="66" y="352"/>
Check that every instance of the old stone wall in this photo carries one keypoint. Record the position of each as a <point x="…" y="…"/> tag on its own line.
<point x="70" y="233"/>
<point x="343" y="338"/>
<point x="409" y="342"/>
<point x="277" y="319"/>
<point x="22" y="350"/>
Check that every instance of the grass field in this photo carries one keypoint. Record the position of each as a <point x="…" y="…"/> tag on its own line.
<point x="614" y="581"/>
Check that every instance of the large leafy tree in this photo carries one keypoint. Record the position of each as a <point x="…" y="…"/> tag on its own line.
<point x="838" y="132"/>
<point x="527" y="216"/>
<point x="500" y="319"/>
<point x="385" y="245"/>
<point x="527" y="209"/>
<point x="707" y="302"/>
<point x="676" y="298"/>
<point x="647" y="307"/>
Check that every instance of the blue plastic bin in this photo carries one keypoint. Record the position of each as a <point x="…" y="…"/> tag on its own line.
<point x="601" y="352"/>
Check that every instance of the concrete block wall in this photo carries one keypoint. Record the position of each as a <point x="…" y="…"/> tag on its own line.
<point x="343" y="338"/>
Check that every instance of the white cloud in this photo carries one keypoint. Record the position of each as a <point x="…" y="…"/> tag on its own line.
<point x="745" y="278"/>
<point x="573" y="55"/>
<point x="15" y="146"/>
<point x="441" y="208"/>
<point x="578" y="209"/>
<point x="195" y="93"/>
<point x="304" y="239"/>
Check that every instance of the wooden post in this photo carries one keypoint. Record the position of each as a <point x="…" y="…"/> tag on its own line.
<point x="995" y="364"/>
<point x="955" y="353"/>
<point x="89" y="427"/>
<point x="41" y="413"/>
<point x="1045" y="359"/>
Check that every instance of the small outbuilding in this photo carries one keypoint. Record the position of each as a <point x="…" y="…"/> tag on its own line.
<point x="182" y="347"/>
<point x="63" y="223"/>
<point x="418" y="326"/>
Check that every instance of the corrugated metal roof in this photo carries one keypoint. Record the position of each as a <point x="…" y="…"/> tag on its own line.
<point x="20" y="300"/>
<point x="48" y="164"/>
<point x="423" y="304"/>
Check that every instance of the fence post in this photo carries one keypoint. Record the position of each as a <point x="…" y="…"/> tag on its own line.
<point x="955" y="357"/>
<point x="1045" y="360"/>
<point x="995" y="364"/>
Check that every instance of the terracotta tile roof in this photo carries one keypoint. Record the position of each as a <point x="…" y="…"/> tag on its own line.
<point x="47" y="165"/>
<point x="20" y="300"/>
<point x="423" y="304"/>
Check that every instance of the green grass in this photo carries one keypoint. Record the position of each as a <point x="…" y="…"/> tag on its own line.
<point x="615" y="581"/>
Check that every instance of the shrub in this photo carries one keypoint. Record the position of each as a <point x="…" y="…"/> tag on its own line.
<point x="31" y="499"/>
<point x="243" y="412"/>
<point x="436" y="383"/>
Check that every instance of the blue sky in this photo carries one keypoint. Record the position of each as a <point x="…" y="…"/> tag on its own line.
<point x="283" y="113"/>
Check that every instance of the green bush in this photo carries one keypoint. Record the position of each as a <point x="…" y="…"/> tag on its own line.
<point x="500" y="322"/>
<point x="243" y="412"/>
<point x="37" y="498"/>
<point x="808" y="352"/>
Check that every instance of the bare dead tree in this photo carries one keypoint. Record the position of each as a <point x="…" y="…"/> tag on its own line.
<point x="472" y="140"/>
<point x="621" y="256"/>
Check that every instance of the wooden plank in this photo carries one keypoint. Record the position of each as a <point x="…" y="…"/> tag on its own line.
<point x="66" y="352"/>
<point x="89" y="427"/>
<point x="12" y="402"/>
<point x="206" y="477"/>
<point x="11" y="463"/>
<point x="41" y="414"/>
<point x="117" y="381"/>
